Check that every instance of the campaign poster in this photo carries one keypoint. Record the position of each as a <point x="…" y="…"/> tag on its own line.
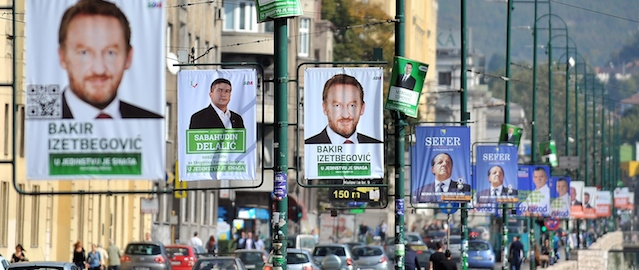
<point x="441" y="165"/>
<point x="620" y="197"/>
<point x="631" y="201"/>
<point x="534" y="191"/>
<point x="407" y="81"/>
<point x="548" y="151"/>
<point x="589" y="202"/>
<point x="272" y="9"/>
<point x="576" y="199"/>
<point x="95" y="90"/>
<point x="560" y="196"/>
<point x="496" y="174"/>
<point x="217" y="126"/>
<point x="603" y="203"/>
<point x="510" y="134"/>
<point x="343" y="130"/>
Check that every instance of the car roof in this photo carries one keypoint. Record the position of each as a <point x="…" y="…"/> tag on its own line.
<point x="145" y="243"/>
<point x="332" y="245"/>
<point x="249" y="251"/>
<point x="40" y="263"/>
<point x="179" y="246"/>
<point x="216" y="258"/>
<point x="296" y="250"/>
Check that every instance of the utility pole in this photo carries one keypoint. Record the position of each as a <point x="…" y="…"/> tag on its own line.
<point x="533" y="144"/>
<point x="280" y="62"/>
<point x="400" y="126"/>
<point x="550" y="90"/>
<point x="504" y="214"/>
<point x="465" y="116"/>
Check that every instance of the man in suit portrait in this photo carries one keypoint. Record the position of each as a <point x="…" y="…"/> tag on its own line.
<point x="497" y="188"/>
<point x="561" y="204"/>
<point x="406" y="80"/>
<point x="343" y="104"/>
<point x="587" y="200"/>
<point x="95" y="49"/>
<point x="538" y="199"/>
<point x="442" y="169"/>
<point x="510" y="137"/>
<point x="573" y="197"/>
<point x="217" y="114"/>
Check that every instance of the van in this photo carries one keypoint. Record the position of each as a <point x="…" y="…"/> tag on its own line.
<point x="302" y="241"/>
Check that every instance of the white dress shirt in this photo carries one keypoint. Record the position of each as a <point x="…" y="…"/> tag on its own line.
<point x="224" y="116"/>
<point x="539" y="198"/>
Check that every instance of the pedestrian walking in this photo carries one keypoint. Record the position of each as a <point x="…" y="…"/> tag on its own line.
<point x="19" y="256"/>
<point x="211" y="245"/>
<point x="196" y="241"/>
<point x="79" y="255"/>
<point x="103" y="254"/>
<point x="515" y="252"/>
<point x="114" y="256"/>
<point x="94" y="259"/>
<point x="448" y="264"/>
<point x="410" y="259"/>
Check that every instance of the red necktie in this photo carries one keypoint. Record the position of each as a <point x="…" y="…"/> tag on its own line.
<point x="348" y="142"/>
<point x="103" y="116"/>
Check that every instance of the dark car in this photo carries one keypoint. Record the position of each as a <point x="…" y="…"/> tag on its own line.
<point x="252" y="258"/>
<point x="145" y="256"/>
<point x="219" y="263"/>
<point x="432" y="237"/>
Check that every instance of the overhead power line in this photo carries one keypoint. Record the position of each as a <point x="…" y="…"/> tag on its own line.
<point x="595" y="11"/>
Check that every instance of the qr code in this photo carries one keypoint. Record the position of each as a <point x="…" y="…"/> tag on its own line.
<point x="44" y="101"/>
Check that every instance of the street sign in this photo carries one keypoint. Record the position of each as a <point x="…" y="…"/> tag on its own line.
<point x="449" y="208"/>
<point x="552" y="224"/>
<point x="354" y="193"/>
<point x="359" y="207"/>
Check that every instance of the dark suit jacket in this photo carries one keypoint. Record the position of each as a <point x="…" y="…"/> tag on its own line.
<point x="430" y="187"/>
<point x="208" y="118"/>
<point x="322" y="138"/>
<point x="576" y="202"/>
<point x="485" y="194"/>
<point x="408" y="84"/>
<point x="126" y="111"/>
<point x="514" y="138"/>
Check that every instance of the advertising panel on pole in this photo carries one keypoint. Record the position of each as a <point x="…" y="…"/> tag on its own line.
<point x="217" y="130"/>
<point x="548" y="152"/>
<point x="95" y="90"/>
<point x="589" y="202"/>
<point x="441" y="170"/>
<point x="560" y="196"/>
<point x="510" y="134"/>
<point x="407" y="81"/>
<point x="534" y="192"/>
<point x="272" y="9"/>
<point x="620" y="197"/>
<point x="343" y="119"/>
<point x="603" y="203"/>
<point x="576" y="199"/>
<point x="496" y="174"/>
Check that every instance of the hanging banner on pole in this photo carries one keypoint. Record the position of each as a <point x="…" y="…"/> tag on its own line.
<point x="560" y="197"/>
<point x="576" y="199"/>
<point x="548" y="152"/>
<point x="343" y="119"/>
<point x="533" y="190"/>
<point x="603" y="203"/>
<point x="95" y="94"/>
<point x="496" y="174"/>
<point x="407" y="81"/>
<point x="590" y="202"/>
<point x="217" y="130"/>
<point x="443" y="174"/>
<point x="621" y="197"/>
<point x="510" y="134"/>
<point x="273" y="9"/>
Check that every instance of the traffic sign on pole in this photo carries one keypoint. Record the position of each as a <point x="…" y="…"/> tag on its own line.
<point x="449" y="208"/>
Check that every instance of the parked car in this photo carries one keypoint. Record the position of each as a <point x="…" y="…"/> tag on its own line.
<point x="218" y="263"/>
<point x="341" y="251"/>
<point x="301" y="241"/>
<point x="145" y="256"/>
<point x="182" y="257"/>
<point x="480" y="254"/>
<point x="432" y="237"/>
<point x="454" y="245"/>
<point x="423" y="253"/>
<point x="4" y="264"/>
<point x="351" y="245"/>
<point x="296" y="259"/>
<point x="371" y="257"/>
<point x="414" y="238"/>
<point x="41" y="265"/>
<point x="252" y="258"/>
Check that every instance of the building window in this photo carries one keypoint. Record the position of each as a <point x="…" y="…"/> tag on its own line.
<point x="80" y="216"/>
<point x="35" y="217"/>
<point x="269" y="27"/>
<point x="240" y="15"/>
<point x="444" y="78"/>
<point x="169" y="35"/>
<point x="207" y="46"/>
<point x="21" y="142"/>
<point x="20" y="216"/>
<point x="4" y="213"/>
<point x="197" y="47"/>
<point x="305" y="43"/>
<point x="167" y="122"/>
<point x="6" y="129"/>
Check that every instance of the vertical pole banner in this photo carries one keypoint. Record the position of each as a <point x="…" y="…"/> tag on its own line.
<point x="343" y="119"/>
<point x="548" y="152"/>
<point x="510" y="134"/>
<point x="496" y="177"/>
<point x="95" y="95"/>
<point x="407" y="81"/>
<point x="534" y="192"/>
<point x="590" y="202"/>
<point x="603" y="203"/>
<point x="441" y="165"/>
<point x="620" y="197"/>
<point x="477" y="206"/>
<point x="576" y="199"/>
<point x="217" y="131"/>
<point x="560" y="197"/>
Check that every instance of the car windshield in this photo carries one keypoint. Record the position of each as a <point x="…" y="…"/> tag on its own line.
<point x="367" y="251"/>
<point x="307" y="243"/>
<point x="250" y="257"/>
<point x="413" y="238"/>
<point x="296" y="258"/>
<point x="478" y="246"/>
<point x="436" y="234"/>
<point x="455" y="241"/>
<point x="142" y="249"/>
<point x="177" y="251"/>
<point x="217" y="264"/>
<point x="324" y="251"/>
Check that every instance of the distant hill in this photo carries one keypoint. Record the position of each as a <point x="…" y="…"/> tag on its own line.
<point x="597" y="36"/>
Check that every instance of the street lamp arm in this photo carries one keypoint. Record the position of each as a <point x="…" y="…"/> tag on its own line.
<point x="555" y="16"/>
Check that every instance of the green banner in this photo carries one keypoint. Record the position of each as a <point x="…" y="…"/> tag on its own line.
<point x="510" y="134"/>
<point x="344" y="169"/>
<point x="406" y="85"/>
<point x="548" y="152"/>
<point x="95" y="163"/>
<point x="219" y="140"/>
<point x="272" y="9"/>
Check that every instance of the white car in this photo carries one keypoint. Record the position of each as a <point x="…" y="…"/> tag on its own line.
<point x="4" y="264"/>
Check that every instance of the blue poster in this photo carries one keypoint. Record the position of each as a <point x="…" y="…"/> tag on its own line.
<point x="496" y="174"/>
<point x="441" y="165"/>
<point x="560" y="196"/>
<point x="534" y="191"/>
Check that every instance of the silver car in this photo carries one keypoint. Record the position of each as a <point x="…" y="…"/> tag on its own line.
<point x="341" y="251"/>
<point x="145" y="256"/>
<point x="42" y="265"/>
<point x="296" y="259"/>
<point x="371" y="258"/>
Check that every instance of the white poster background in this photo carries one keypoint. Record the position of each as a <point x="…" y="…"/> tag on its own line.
<point x="193" y="95"/>
<point x="370" y="123"/>
<point x="142" y="85"/>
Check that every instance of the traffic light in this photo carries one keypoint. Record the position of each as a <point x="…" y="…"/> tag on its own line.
<point x="542" y="224"/>
<point x="296" y="214"/>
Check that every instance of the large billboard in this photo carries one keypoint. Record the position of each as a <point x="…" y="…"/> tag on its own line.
<point x="560" y="196"/>
<point x="217" y="132"/>
<point x="496" y="174"/>
<point x="441" y="165"/>
<point x="343" y="123"/>
<point x="534" y="192"/>
<point x="95" y="101"/>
